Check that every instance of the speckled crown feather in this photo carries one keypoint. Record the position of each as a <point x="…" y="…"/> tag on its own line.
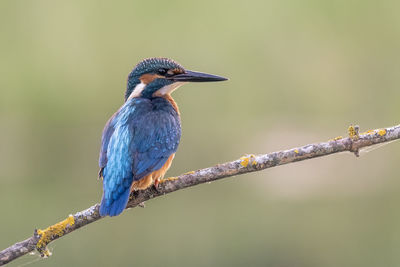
<point x="151" y="64"/>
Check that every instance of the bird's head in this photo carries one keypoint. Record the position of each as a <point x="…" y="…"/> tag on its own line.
<point x="160" y="76"/>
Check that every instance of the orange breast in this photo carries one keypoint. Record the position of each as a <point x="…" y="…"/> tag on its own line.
<point x="148" y="180"/>
<point x="173" y="103"/>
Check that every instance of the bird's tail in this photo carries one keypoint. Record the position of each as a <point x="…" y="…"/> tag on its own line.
<point x="113" y="207"/>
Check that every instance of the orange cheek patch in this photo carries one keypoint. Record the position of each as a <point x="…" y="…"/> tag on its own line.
<point x="148" y="78"/>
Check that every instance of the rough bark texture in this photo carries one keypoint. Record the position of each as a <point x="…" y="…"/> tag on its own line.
<point x="248" y="163"/>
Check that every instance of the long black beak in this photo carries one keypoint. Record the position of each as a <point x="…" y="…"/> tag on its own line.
<point x="194" y="76"/>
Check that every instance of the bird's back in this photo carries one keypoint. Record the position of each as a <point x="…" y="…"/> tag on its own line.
<point x="137" y="141"/>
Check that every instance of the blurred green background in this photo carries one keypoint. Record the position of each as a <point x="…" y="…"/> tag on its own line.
<point x="300" y="72"/>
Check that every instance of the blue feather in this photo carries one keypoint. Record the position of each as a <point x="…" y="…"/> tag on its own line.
<point x="137" y="140"/>
<point x="105" y="139"/>
<point x="115" y="207"/>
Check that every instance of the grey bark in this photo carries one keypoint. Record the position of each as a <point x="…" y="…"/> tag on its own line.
<point x="246" y="164"/>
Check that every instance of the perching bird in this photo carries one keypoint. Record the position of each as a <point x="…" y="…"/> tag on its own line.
<point x="140" y="140"/>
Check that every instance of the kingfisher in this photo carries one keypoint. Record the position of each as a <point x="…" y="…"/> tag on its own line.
<point x="140" y="140"/>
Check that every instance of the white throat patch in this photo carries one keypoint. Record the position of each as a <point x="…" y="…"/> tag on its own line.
<point x="168" y="89"/>
<point x="137" y="91"/>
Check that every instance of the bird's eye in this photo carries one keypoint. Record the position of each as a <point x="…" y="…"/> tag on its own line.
<point x="162" y="71"/>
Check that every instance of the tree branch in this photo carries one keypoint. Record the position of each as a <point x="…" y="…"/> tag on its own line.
<point x="246" y="164"/>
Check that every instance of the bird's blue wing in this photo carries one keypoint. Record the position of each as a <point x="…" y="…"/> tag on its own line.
<point x="155" y="141"/>
<point x="140" y="144"/>
<point x="105" y="139"/>
<point x="115" y="161"/>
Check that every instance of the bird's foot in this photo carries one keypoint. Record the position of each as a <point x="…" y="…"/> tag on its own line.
<point x="156" y="183"/>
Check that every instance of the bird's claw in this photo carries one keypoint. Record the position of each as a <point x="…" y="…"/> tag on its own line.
<point x="156" y="183"/>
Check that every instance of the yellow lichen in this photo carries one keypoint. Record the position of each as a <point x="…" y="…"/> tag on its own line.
<point x="336" y="138"/>
<point x="296" y="151"/>
<point x="245" y="160"/>
<point x="52" y="232"/>
<point x="382" y="132"/>
<point x="45" y="253"/>
<point x="353" y="132"/>
<point x="191" y="172"/>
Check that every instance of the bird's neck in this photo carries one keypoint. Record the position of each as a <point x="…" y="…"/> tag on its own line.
<point x="169" y="98"/>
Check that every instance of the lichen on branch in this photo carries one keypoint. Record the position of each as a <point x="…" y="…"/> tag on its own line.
<point x="52" y="232"/>
<point x="248" y="163"/>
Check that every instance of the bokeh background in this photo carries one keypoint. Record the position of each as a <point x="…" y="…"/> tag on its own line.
<point x="300" y="72"/>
